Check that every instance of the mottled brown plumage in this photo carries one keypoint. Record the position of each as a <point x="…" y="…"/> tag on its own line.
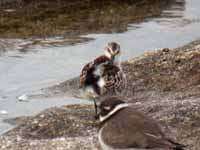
<point x="112" y="75"/>
<point x="89" y="68"/>
<point x="114" y="79"/>
<point x="103" y="76"/>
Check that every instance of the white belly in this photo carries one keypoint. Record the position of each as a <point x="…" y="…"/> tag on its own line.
<point x="88" y="93"/>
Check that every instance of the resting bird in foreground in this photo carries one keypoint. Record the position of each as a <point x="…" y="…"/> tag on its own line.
<point x="124" y="128"/>
<point x="103" y="75"/>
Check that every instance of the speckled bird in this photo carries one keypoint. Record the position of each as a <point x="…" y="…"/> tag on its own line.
<point x="103" y="76"/>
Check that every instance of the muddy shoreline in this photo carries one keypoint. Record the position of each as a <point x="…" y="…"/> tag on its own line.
<point x="73" y="18"/>
<point x="165" y="85"/>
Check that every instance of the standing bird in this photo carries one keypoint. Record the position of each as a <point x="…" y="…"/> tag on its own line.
<point x="124" y="128"/>
<point x="103" y="75"/>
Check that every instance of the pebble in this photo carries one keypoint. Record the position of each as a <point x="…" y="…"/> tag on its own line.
<point x="3" y="112"/>
<point x="23" y="97"/>
<point x="138" y="103"/>
<point x="9" y="10"/>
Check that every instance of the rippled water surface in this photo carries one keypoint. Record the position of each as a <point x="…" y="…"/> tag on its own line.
<point x="44" y="66"/>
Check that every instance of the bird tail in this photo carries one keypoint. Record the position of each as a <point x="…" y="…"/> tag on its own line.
<point x="179" y="148"/>
<point x="177" y="145"/>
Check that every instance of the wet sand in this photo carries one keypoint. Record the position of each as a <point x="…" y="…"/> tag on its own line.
<point x="165" y="85"/>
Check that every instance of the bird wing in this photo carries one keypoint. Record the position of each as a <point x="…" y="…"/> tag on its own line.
<point x="113" y="76"/>
<point x="138" y="132"/>
<point x="90" y="67"/>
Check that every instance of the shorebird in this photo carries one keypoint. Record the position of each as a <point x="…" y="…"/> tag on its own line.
<point x="103" y="75"/>
<point x="124" y="128"/>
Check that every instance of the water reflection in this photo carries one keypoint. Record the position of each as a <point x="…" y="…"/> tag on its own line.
<point x="116" y="19"/>
<point x="175" y="10"/>
<point x="180" y="14"/>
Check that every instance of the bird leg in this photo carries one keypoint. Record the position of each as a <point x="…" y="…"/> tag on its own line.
<point x="95" y="107"/>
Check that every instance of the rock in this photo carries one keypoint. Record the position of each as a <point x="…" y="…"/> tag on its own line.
<point x="23" y="97"/>
<point x="160" y="86"/>
<point x="3" y="112"/>
<point x="67" y="127"/>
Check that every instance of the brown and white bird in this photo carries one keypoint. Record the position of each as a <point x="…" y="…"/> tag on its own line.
<point x="103" y="75"/>
<point x="124" y="128"/>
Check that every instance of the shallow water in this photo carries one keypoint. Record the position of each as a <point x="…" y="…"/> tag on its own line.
<point x="44" y="66"/>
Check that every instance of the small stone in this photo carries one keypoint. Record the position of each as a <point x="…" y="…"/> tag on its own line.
<point x="62" y="139"/>
<point x="138" y="103"/>
<point x="166" y="50"/>
<point x="9" y="10"/>
<point x="35" y="121"/>
<point x="19" y="138"/>
<point x="3" y="112"/>
<point x="23" y="97"/>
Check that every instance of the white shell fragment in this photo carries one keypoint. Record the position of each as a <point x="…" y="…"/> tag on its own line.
<point x="23" y="97"/>
<point x="3" y="112"/>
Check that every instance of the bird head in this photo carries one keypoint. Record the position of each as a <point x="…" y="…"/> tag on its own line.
<point x="112" y="50"/>
<point x="109" y="107"/>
